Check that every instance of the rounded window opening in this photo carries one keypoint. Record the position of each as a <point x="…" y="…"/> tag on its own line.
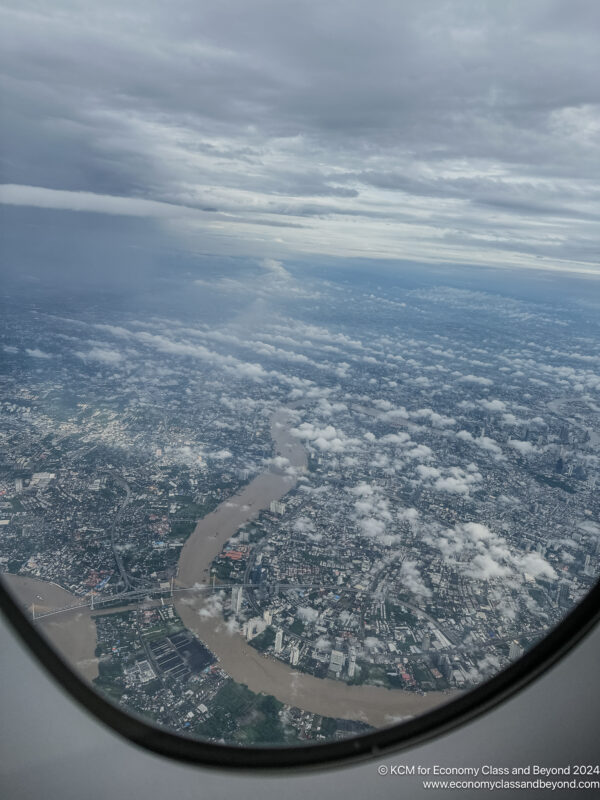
<point x="299" y="394"/>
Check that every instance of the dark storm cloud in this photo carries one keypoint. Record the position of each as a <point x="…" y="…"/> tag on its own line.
<point x="465" y="124"/>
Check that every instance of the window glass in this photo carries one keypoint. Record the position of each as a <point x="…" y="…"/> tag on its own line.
<point x="300" y="364"/>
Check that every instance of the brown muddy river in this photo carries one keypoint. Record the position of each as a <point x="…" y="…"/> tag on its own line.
<point x="73" y="632"/>
<point x="376" y="705"/>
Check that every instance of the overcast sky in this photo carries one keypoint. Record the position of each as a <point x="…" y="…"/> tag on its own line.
<point x="457" y="132"/>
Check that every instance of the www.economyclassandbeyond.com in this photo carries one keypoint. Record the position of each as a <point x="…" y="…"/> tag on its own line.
<point x="491" y="778"/>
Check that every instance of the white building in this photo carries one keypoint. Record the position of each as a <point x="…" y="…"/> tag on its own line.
<point x="237" y="596"/>
<point x="294" y="655"/>
<point x="336" y="662"/>
<point x="351" y="665"/>
<point x="279" y="641"/>
<point x="253" y="627"/>
<point x="515" y="651"/>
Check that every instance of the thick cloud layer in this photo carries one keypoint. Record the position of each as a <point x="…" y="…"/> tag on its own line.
<point x="462" y="132"/>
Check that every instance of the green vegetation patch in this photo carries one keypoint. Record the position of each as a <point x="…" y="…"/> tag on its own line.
<point x="297" y="627"/>
<point x="240" y="715"/>
<point x="264" y="640"/>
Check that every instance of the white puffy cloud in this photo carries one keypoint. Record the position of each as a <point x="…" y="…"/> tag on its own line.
<point x="373" y="528"/>
<point x="420" y="452"/>
<point x="411" y="579"/>
<point x="327" y="439"/>
<point x="221" y="455"/>
<point x="480" y="553"/>
<point x="305" y="527"/>
<point x="587" y="526"/>
<point x="486" y="443"/>
<point x="307" y="614"/>
<point x="212" y="607"/>
<point x="534" y="564"/>
<point x="395" y="438"/>
<point x="37" y="353"/>
<point x="452" y="485"/>
<point x="493" y="405"/>
<point x="408" y="515"/>
<point x="483" y="567"/>
<point x="279" y="462"/>
<point x="372" y="514"/>
<point x="458" y="480"/>
<point x="477" y="380"/>
<point x="102" y="355"/>
<point x="483" y="442"/>
<point x="522" y="447"/>
<point x="275" y="268"/>
<point x="437" y="420"/>
<point x="428" y="473"/>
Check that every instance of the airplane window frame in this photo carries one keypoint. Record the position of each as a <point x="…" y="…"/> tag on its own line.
<point x="535" y="662"/>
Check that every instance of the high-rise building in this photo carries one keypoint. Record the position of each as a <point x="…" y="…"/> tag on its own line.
<point x="294" y="655"/>
<point x="253" y="627"/>
<point x="336" y="661"/>
<point x="279" y="641"/>
<point x="562" y="594"/>
<point x="276" y="507"/>
<point x="560" y="466"/>
<point x="446" y="666"/>
<point x="237" y="597"/>
<point x="515" y="651"/>
<point x="579" y="473"/>
<point x="268" y="616"/>
<point x="351" y="665"/>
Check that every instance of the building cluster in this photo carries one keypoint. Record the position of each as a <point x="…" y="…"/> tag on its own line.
<point x="447" y="516"/>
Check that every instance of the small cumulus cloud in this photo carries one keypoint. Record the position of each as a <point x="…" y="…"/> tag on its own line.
<point x="275" y="268"/>
<point x="37" y="353"/>
<point x="212" y="607"/>
<point x="307" y="614"/>
<point x="102" y="355"/>
<point x="522" y="447"/>
<point x="477" y="380"/>
<point x="411" y="579"/>
<point x="221" y="455"/>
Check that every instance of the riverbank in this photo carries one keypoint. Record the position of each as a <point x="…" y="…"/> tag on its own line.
<point x="73" y="632"/>
<point x="375" y="705"/>
<point x="213" y="530"/>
